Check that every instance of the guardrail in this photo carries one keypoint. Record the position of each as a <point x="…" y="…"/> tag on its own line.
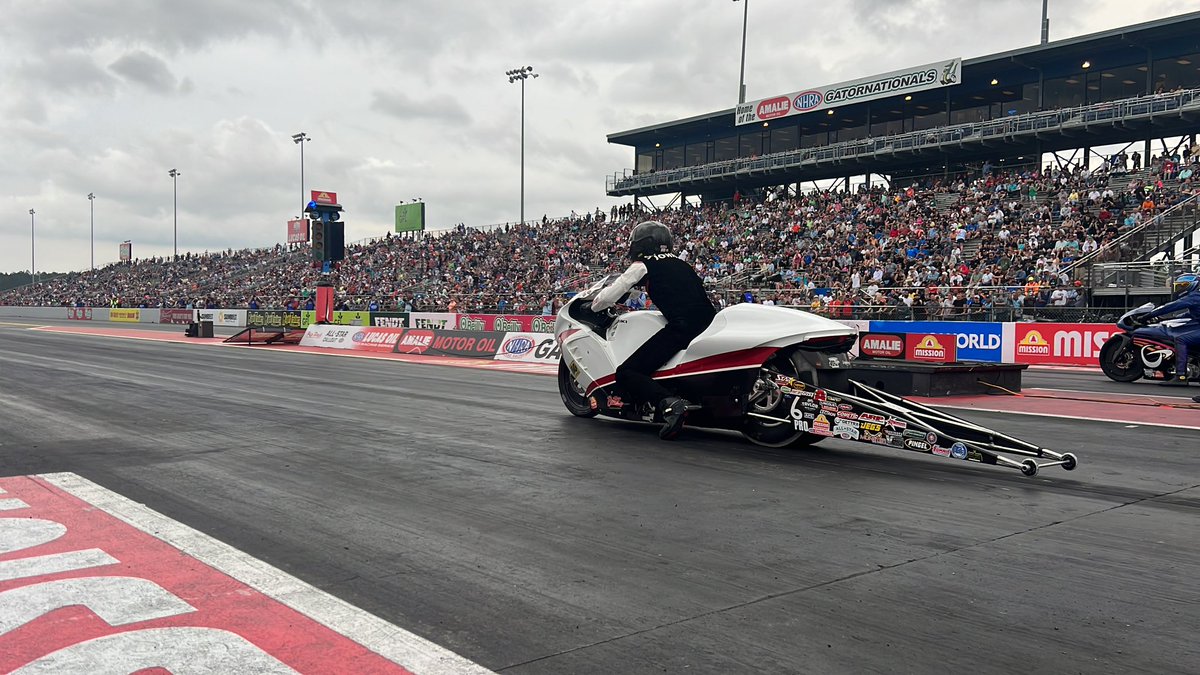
<point x="1028" y="124"/>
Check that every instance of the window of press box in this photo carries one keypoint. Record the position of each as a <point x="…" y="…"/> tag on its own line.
<point x="750" y="143"/>
<point x="785" y="138"/>
<point x="645" y="162"/>
<point x="695" y="154"/>
<point x="1177" y="72"/>
<point x="673" y="157"/>
<point x="725" y="149"/>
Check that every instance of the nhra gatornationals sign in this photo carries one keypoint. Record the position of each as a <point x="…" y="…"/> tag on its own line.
<point x="898" y="82"/>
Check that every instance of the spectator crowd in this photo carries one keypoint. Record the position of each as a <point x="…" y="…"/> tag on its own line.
<point x="940" y="246"/>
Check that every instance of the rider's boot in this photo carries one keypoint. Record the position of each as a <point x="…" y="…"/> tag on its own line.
<point x="1177" y="381"/>
<point x="673" y="411"/>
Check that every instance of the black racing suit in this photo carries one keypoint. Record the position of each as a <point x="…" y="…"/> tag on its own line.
<point x="679" y="294"/>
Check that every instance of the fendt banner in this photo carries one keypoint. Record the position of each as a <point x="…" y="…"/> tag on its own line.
<point x="906" y="81"/>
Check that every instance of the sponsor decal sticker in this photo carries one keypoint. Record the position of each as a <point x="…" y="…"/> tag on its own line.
<point x="958" y="451"/>
<point x="940" y="451"/>
<point x="881" y="345"/>
<point x="918" y="445"/>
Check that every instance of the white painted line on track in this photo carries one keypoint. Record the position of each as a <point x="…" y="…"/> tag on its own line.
<point x="412" y="651"/>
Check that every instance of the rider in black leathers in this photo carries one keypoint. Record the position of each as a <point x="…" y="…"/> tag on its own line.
<point x="679" y="294"/>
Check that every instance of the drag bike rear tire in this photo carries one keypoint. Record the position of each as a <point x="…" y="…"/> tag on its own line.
<point x="778" y="435"/>
<point x="576" y="401"/>
<point x="1123" y="350"/>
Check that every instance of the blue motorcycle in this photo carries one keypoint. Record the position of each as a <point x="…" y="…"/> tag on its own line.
<point x="1144" y="350"/>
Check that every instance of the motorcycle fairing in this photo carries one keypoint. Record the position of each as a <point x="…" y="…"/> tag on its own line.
<point x="740" y="337"/>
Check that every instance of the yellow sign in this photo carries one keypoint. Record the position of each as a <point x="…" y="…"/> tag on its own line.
<point x="126" y="315"/>
<point x="1033" y="345"/>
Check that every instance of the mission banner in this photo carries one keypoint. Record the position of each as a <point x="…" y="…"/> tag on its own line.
<point x="907" y="81"/>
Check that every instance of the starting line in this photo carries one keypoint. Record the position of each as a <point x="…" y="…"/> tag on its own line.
<point x="92" y="582"/>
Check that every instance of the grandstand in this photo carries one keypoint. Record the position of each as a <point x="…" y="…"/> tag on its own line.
<point x="962" y="221"/>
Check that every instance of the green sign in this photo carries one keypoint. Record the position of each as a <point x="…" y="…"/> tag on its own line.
<point x="410" y="217"/>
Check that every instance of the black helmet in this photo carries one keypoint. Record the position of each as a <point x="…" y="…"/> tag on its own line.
<point x="649" y="238"/>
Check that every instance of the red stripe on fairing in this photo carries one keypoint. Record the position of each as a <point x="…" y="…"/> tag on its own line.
<point x="745" y="358"/>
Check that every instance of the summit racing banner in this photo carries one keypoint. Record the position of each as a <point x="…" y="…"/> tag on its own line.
<point x="906" y="81"/>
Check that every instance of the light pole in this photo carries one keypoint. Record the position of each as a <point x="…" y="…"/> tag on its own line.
<point x="299" y="139"/>
<point x="1045" y="21"/>
<point x="92" y="218"/>
<point x="32" y="256"/>
<point x="742" y="74"/>
<point x="175" y="207"/>
<point x="520" y="75"/>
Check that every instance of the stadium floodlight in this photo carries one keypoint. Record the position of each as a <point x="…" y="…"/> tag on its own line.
<point x="299" y="140"/>
<point x="175" y="207"/>
<point x="1086" y="64"/>
<point x="995" y="81"/>
<point x="520" y="75"/>
<point x="742" y="72"/>
<point x="92" y="218"/>
<point x="32" y="250"/>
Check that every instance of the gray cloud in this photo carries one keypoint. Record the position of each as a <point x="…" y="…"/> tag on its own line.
<point x="407" y="99"/>
<point x="146" y="70"/>
<point x="442" y="107"/>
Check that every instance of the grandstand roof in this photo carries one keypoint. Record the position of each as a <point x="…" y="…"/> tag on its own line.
<point x="1054" y="58"/>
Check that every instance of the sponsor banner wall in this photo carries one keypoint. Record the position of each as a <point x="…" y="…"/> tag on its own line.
<point x="223" y="317"/>
<point x="433" y="320"/>
<point x="352" y="318"/>
<point x="529" y="347"/>
<point x="930" y="348"/>
<point x="125" y="315"/>
<point x="976" y="340"/>
<point x="466" y="343"/>
<point x="358" y="338"/>
<point x="179" y="316"/>
<point x="1060" y="344"/>
<point x="150" y="315"/>
<point x="79" y="313"/>
<point x="506" y="323"/>
<point x="898" y="82"/>
<point x="390" y="319"/>
<point x="328" y="335"/>
<point x="274" y="318"/>
<point x="881" y="345"/>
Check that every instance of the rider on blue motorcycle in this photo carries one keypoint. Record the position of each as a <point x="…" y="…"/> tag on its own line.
<point x="1186" y="293"/>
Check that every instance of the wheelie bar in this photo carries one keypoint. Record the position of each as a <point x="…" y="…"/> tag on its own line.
<point x="871" y="415"/>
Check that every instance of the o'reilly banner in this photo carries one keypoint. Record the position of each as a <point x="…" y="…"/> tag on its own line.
<point x="919" y="78"/>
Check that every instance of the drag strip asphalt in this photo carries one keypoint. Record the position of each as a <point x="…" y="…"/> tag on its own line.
<point x="469" y="508"/>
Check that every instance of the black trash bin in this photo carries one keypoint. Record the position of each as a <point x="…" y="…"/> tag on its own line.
<point x="206" y="329"/>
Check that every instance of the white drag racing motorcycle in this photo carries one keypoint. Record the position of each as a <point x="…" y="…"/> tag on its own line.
<point x="779" y="376"/>
<point x="738" y="370"/>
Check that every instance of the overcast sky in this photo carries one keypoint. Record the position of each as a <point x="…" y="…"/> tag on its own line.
<point x="406" y="99"/>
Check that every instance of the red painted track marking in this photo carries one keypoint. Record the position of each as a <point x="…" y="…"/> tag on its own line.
<point x="219" y="601"/>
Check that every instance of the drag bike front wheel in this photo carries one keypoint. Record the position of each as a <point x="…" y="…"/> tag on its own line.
<point x="1120" y="361"/>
